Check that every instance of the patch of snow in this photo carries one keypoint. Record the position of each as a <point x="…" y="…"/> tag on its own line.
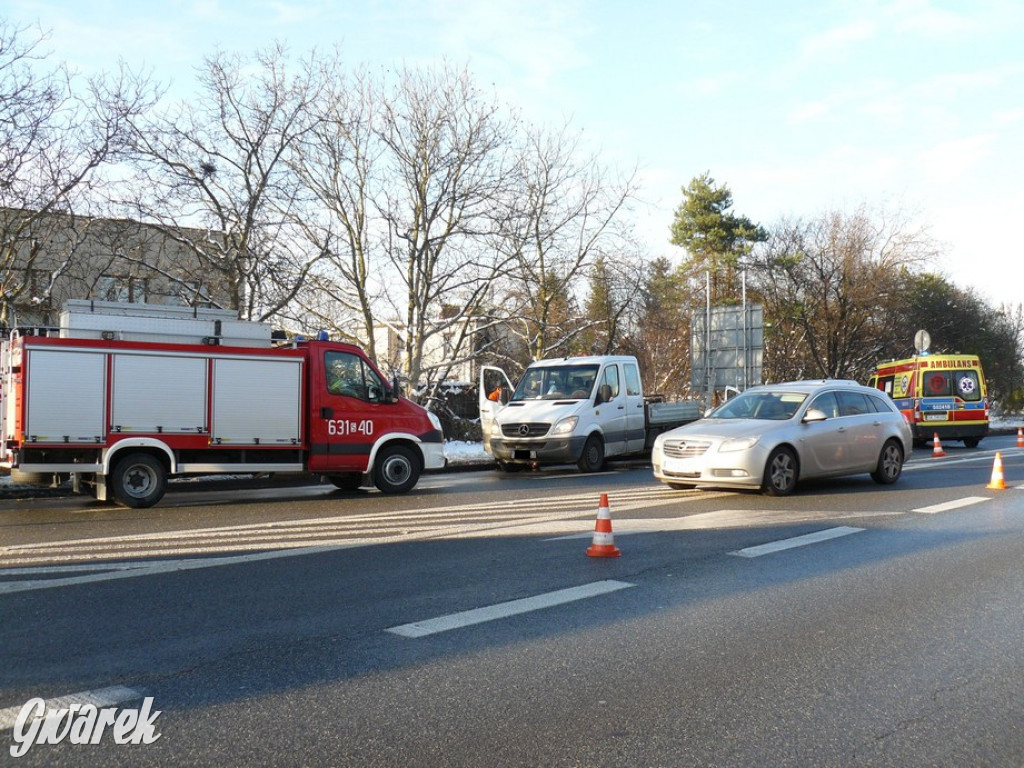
<point x="463" y="452"/>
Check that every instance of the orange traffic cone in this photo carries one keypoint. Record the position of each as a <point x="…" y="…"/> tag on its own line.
<point x="998" y="482"/>
<point x="1020" y="437"/>
<point x="604" y="543"/>
<point x="937" y="450"/>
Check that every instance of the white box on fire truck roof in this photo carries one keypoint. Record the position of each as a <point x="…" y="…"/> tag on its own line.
<point x="88" y="319"/>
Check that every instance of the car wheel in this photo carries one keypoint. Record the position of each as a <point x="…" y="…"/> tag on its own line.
<point x="780" y="473"/>
<point x="890" y="463"/>
<point x="592" y="459"/>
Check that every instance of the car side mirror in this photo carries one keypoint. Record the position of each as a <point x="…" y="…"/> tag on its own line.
<point x="813" y="414"/>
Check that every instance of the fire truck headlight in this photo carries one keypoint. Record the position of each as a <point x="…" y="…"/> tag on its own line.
<point x="436" y="422"/>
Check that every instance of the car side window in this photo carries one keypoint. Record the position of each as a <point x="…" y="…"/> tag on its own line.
<point x="853" y="404"/>
<point x="827" y="403"/>
<point x="880" y="405"/>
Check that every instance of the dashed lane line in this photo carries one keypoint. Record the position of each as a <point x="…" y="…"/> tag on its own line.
<point x="797" y="541"/>
<point x="504" y="610"/>
<point x="950" y="505"/>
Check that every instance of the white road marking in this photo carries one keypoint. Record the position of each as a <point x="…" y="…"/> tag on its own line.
<point x="720" y="519"/>
<point x="796" y="541"/>
<point x="118" y="571"/>
<point x="101" y="698"/>
<point x="504" y="610"/>
<point x="510" y="517"/>
<point x="947" y="506"/>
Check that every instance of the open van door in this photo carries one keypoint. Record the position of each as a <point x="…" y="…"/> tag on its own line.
<point x="495" y="391"/>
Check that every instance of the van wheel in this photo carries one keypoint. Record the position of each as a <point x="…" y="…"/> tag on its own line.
<point x="396" y="470"/>
<point x="780" y="473"/>
<point x="138" y="481"/>
<point x="592" y="458"/>
<point x="890" y="464"/>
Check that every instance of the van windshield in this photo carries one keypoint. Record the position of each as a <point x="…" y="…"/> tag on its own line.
<point x="557" y="382"/>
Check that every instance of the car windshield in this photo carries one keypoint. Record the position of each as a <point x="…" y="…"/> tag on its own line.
<point x="776" y="406"/>
<point x="561" y="382"/>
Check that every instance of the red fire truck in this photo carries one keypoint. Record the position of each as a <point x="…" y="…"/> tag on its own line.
<point x="125" y="396"/>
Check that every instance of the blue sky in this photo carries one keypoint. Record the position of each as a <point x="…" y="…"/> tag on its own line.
<point x="908" y="106"/>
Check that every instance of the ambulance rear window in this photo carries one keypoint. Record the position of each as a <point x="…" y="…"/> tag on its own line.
<point x="964" y="384"/>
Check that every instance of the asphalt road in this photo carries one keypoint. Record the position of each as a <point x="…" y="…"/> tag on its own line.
<point x="464" y="625"/>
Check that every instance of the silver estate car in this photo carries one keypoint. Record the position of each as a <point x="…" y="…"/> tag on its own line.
<point x="771" y="436"/>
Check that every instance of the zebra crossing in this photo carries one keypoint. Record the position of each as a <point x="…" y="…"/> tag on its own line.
<point x="548" y="514"/>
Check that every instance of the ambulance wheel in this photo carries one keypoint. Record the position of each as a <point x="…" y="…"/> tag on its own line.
<point x="138" y="481"/>
<point x="396" y="469"/>
<point x="972" y="442"/>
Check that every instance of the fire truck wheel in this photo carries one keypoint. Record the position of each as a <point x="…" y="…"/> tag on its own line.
<point x="138" y="481"/>
<point x="349" y="481"/>
<point x="396" y="470"/>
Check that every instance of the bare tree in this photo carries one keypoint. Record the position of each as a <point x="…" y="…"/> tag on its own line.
<point x="444" y="170"/>
<point x="339" y="162"/>
<point x="825" y="283"/>
<point x="661" y="339"/>
<point x="218" y="166"/>
<point x="54" y="140"/>
<point x="565" y="213"/>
